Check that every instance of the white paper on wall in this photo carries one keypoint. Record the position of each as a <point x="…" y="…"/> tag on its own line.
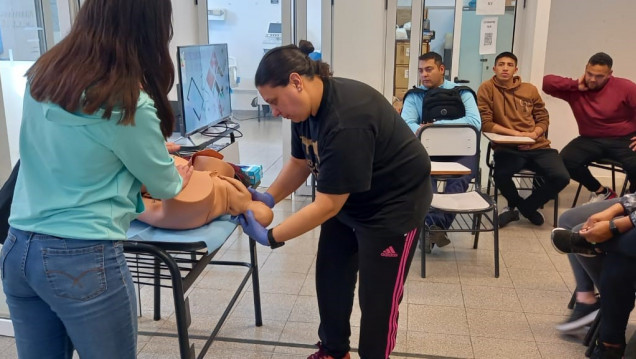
<point x="490" y="7"/>
<point x="488" y="36"/>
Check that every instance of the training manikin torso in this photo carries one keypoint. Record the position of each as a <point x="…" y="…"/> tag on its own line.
<point x="211" y="192"/>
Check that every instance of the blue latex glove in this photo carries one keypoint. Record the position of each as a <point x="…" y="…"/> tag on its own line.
<point x="262" y="197"/>
<point x="253" y="229"/>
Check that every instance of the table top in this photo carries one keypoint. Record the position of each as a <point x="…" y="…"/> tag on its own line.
<point x="505" y="139"/>
<point x="448" y="169"/>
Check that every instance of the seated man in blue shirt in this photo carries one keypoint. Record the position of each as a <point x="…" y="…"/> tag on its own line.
<point x="431" y="72"/>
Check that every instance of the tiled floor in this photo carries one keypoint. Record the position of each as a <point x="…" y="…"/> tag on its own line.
<point x="459" y="311"/>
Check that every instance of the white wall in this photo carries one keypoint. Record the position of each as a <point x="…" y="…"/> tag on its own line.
<point x="186" y="32"/>
<point x="359" y="41"/>
<point x="577" y="31"/>
<point x="531" y="32"/>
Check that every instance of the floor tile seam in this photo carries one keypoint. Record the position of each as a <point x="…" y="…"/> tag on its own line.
<point x="273" y="163"/>
<point x="438" y="306"/>
<point x="503" y="338"/>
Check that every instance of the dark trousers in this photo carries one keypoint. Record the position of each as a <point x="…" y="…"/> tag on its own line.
<point x="544" y="162"/>
<point x="618" y="280"/>
<point x="582" y="150"/>
<point x="383" y="263"/>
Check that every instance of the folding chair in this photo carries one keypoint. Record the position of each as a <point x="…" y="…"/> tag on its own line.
<point x="526" y="179"/>
<point x="609" y="165"/>
<point x="474" y="211"/>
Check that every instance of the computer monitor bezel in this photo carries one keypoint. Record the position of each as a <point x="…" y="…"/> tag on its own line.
<point x="182" y="90"/>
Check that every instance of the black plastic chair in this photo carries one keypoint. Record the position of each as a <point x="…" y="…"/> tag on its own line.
<point x="609" y="165"/>
<point x="527" y="180"/>
<point x="475" y="211"/>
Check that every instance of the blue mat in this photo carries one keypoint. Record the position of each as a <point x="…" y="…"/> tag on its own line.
<point x="214" y="234"/>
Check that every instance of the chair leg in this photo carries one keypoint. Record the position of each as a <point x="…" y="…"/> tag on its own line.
<point x="496" y="240"/>
<point x="576" y="196"/>
<point x="572" y="301"/>
<point x="423" y="262"/>
<point x="476" y="225"/>
<point x="613" y="178"/>
<point x="556" y="211"/>
<point x="592" y="334"/>
<point x="624" y="186"/>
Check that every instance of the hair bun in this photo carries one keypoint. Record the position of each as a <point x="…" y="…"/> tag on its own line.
<point x="306" y="47"/>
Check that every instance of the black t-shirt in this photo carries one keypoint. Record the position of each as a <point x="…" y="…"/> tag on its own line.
<point x="357" y="143"/>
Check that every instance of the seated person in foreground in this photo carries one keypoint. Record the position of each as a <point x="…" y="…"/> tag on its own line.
<point x="211" y="192"/>
<point x="431" y="71"/>
<point x="607" y="234"/>
<point x="604" y="107"/>
<point x="509" y="106"/>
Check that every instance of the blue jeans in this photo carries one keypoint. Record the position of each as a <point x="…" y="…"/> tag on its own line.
<point x="66" y="294"/>
<point x="587" y="270"/>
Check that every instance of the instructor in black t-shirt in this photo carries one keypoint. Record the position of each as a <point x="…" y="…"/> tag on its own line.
<point x="373" y="192"/>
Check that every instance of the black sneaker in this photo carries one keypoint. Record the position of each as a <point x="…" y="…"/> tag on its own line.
<point x="508" y="215"/>
<point x="439" y="237"/>
<point x="566" y="241"/>
<point x="535" y="218"/>
<point x="582" y="315"/>
<point x="603" y="352"/>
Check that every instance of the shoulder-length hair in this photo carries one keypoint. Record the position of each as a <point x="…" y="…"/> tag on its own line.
<point x="115" y="49"/>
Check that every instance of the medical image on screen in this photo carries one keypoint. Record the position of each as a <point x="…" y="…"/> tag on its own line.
<point x="205" y="85"/>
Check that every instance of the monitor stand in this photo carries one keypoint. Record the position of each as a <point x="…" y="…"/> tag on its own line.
<point x="194" y="141"/>
<point x="204" y="137"/>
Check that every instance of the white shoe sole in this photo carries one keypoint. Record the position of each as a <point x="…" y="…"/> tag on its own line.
<point x="579" y="323"/>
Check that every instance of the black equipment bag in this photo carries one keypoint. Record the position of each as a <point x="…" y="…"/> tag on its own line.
<point x="440" y="103"/>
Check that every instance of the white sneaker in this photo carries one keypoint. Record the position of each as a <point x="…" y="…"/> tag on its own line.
<point x="608" y="194"/>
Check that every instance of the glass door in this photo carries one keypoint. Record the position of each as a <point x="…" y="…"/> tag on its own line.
<point x="475" y="56"/>
<point x="27" y="30"/>
<point x="415" y="27"/>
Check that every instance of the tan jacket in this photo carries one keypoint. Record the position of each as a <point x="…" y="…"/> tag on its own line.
<point x="518" y="107"/>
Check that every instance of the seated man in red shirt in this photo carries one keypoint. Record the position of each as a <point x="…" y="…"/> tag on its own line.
<point x="604" y="107"/>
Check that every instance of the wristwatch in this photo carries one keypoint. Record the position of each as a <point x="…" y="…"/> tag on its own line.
<point x="272" y="242"/>
<point x="613" y="228"/>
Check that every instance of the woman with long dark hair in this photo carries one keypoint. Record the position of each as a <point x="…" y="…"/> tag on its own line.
<point x="373" y="192"/>
<point x="95" y="119"/>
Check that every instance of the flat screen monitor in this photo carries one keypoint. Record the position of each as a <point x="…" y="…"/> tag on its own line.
<point x="204" y="79"/>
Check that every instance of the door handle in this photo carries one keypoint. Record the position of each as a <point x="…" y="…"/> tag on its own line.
<point x="457" y="80"/>
<point x="483" y="60"/>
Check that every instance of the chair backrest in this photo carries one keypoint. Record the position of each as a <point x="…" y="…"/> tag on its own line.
<point x="453" y="141"/>
<point x="450" y="140"/>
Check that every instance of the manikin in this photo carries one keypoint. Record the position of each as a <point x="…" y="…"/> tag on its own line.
<point x="211" y="192"/>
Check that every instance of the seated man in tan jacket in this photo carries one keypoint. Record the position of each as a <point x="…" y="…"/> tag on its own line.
<point x="509" y="106"/>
